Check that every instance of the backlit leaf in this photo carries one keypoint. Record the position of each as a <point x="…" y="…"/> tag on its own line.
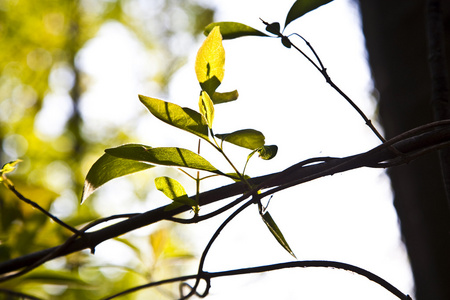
<point x="9" y="167"/>
<point x="267" y="152"/>
<point x="247" y="138"/>
<point x="170" y="187"/>
<point x="301" y="7"/>
<point x="175" y="115"/>
<point x="210" y="62"/>
<point x="173" y="190"/>
<point x="219" y="98"/>
<point x="206" y="108"/>
<point x="167" y="156"/>
<point x="276" y="232"/>
<point x="232" y="30"/>
<point x="108" y="167"/>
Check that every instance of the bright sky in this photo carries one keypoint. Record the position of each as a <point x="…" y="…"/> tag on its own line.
<point x="347" y="217"/>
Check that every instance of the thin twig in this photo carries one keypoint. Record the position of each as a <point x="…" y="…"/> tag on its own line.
<point x="200" y="271"/>
<point x="266" y="268"/>
<point x="62" y="247"/>
<point x="323" y="71"/>
<point x="12" y="188"/>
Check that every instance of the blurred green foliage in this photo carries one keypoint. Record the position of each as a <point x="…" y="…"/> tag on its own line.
<point x="40" y="42"/>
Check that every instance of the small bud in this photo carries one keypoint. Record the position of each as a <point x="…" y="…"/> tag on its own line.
<point x="274" y="28"/>
<point x="286" y="42"/>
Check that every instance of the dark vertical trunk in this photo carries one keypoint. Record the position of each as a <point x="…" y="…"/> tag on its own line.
<point x="73" y="46"/>
<point x="396" y="39"/>
<point x="439" y="78"/>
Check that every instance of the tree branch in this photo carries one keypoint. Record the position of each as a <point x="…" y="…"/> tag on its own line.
<point x="409" y="143"/>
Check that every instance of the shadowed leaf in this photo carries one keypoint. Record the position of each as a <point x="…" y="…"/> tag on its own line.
<point x="210" y="62"/>
<point x="274" y="28"/>
<point x="175" y="115"/>
<point x="247" y="138"/>
<point x="267" y="152"/>
<point x="276" y="232"/>
<point x="167" y="156"/>
<point x="286" y="42"/>
<point x="108" y="167"/>
<point x="219" y="98"/>
<point x="301" y="7"/>
<point x="232" y="30"/>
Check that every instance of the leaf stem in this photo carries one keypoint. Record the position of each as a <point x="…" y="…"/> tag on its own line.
<point x="324" y="73"/>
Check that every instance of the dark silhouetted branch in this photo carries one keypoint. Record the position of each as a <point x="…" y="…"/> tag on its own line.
<point x="410" y="143"/>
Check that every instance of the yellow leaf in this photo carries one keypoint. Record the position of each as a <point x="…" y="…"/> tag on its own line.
<point x="210" y="62"/>
<point x="206" y="108"/>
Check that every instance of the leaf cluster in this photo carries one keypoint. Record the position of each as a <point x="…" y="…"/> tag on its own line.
<point x="210" y="72"/>
<point x="131" y="158"/>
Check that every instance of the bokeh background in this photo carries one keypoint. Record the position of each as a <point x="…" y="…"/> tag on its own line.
<point x="70" y="72"/>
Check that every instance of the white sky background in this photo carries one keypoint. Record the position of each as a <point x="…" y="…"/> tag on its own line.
<point x="346" y="217"/>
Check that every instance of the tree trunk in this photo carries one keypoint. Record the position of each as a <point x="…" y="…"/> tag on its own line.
<point x="396" y="40"/>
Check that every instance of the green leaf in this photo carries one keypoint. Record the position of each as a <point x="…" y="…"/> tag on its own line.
<point x="108" y="167"/>
<point x="232" y="30"/>
<point x="170" y="187"/>
<point x="276" y="232"/>
<point x="175" y="115"/>
<point x="173" y="190"/>
<point x="301" y="7"/>
<point x="247" y="138"/>
<point x="206" y="108"/>
<point x="267" y="152"/>
<point x="167" y="156"/>
<point x="210" y="62"/>
<point x="219" y="98"/>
